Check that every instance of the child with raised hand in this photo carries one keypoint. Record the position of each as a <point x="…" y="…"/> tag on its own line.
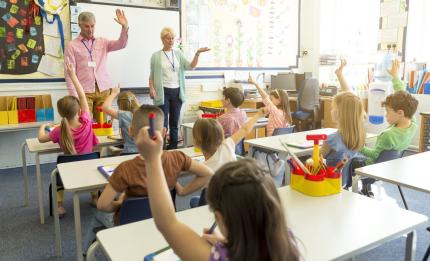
<point x="278" y="108"/>
<point x="127" y="104"/>
<point x="208" y="135"/>
<point x="233" y="118"/>
<point x="236" y="192"/>
<point x="75" y="134"/>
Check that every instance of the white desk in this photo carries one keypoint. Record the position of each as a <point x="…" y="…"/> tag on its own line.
<point x="83" y="176"/>
<point x="261" y="123"/>
<point x="329" y="228"/>
<point x="34" y="146"/>
<point x="410" y="172"/>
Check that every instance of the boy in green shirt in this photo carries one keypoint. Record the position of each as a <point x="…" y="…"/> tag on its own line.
<point x="400" y="108"/>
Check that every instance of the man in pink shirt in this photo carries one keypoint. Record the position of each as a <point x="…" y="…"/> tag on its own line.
<point x="88" y="55"/>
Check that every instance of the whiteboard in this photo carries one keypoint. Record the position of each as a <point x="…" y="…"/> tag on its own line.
<point x="130" y="66"/>
<point x="243" y="34"/>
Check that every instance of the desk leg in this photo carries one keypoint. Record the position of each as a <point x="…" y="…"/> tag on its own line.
<point x="185" y="132"/>
<point x="78" y="233"/>
<point x="24" y="173"/>
<point x="411" y="244"/>
<point x="40" y="189"/>
<point x="287" y="175"/>
<point x="55" y="210"/>
<point x="355" y="180"/>
<point x="92" y="251"/>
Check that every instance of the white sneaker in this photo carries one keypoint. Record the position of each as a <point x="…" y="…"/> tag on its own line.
<point x="277" y="167"/>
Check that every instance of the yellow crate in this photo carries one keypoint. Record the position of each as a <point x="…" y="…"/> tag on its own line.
<point x="212" y="104"/>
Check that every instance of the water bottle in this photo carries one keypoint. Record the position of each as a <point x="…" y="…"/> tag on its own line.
<point x="377" y="94"/>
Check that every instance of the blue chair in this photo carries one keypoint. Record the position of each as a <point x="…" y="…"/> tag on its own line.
<point x="308" y="101"/>
<point x="134" y="209"/>
<point x="240" y="148"/>
<point x="198" y="201"/>
<point x="66" y="159"/>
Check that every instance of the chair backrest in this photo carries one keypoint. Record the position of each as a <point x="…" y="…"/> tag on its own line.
<point x="387" y="155"/>
<point x="79" y="157"/>
<point x="309" y="94"/>
<point x="137" y="209"/>
<point x="281" y="131"/>
<point x="240" y="148"/>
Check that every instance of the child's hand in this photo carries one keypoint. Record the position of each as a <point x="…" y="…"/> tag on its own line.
<point x="263" y="111"/>
<point x="121" y="198"/>
<point x="149" y="148"/>
<point x="395" y="66"/>
<point x="213" y="238"/>
<point x="69" y="67"/>
<point x="250" y="79"/>
<point x="339" y="70"/>
<point x="115" y="91"/>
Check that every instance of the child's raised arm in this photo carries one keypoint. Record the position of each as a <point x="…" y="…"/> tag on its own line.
<point x="261" y="91"/>
<point x="394" y="72"/>
<point x="79" y="90"/>
<point x="247" y="127"/>
<point x="107" y="104"/>
<point x="339" y="73"/>
<point x="186" y="243"/>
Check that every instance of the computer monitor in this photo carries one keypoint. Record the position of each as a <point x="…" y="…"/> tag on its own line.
<point x="284" y="81"/>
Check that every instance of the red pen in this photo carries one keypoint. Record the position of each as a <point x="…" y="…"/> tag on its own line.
<point x="340" y="164"/>
<point x="151" y="129"/>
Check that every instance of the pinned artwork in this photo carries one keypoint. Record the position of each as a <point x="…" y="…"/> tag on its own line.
<point x="20" y="47"/>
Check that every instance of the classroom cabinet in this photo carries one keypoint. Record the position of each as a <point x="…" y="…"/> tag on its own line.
<point x="425" y="132"/>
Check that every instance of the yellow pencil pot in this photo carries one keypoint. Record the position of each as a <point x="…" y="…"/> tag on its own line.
<point x="326" y="182"/>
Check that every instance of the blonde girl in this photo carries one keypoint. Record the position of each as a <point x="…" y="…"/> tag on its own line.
<point x="75" y="134"/>
<point x="127" y="104"/>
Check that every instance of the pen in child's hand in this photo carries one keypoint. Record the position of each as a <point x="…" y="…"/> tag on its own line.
<point x="211" y="230"/>
<point x="151" y="129"/>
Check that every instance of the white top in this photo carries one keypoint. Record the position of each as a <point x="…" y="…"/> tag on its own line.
<point x="170" y="74"/>
<point x="410" y="172"/>
<point x="225" y="153"/>
<point x="326" y="227"/>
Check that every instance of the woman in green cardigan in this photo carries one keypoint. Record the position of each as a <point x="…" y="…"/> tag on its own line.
<point x="167" y="81"/>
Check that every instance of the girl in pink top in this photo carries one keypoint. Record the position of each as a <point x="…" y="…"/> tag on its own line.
<point x="277" y="106"/>
<point x="75" y="134"/>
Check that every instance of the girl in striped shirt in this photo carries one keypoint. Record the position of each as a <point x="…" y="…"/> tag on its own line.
<point x="278" y="109"/>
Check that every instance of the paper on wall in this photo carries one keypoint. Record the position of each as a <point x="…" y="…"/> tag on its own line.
<point x="396" y="21"/>
<point x="53" y="46"/>
<point x="390" y="8"/>
<point x="50" y="29"/>
<point x="74" y="28"/>
<point x="388" y="36"/>
<point x="74" y="13"/>
<point x="50" y="65"/>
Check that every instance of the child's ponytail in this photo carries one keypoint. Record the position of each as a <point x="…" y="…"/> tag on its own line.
<point x="66" y="139"/>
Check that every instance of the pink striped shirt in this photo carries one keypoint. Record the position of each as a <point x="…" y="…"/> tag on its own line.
<point x="232" y="121"/>
<point x="80" y="51"/>
<point x="276" y="117"/>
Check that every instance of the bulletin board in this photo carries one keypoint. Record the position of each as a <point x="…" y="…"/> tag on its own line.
<point x="261" y="34"/>
<point x="30" y="53"/>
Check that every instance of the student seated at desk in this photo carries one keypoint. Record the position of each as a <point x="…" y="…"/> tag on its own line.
<point x="246" y="206"/>
<point x="278" y="108"/>
<point x="127" y="104"/>
<point x="129" y="178"/>
<point x="400" y="108"/>
<point x="208" y="135"/>
<point x="75" y="134"/>
<point x="234" y="117"/>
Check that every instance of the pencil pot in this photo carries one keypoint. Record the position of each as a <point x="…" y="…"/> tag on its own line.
<point x="325" y="182"/>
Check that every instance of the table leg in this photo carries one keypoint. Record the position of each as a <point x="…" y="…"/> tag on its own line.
<point x="55" y="210"/>
<point x="411" y="244"/>
<point x="40" y="189"/>
<point x="185" y="136"/>
<point x="78" y="233"/>
<point x="287" y="177"/>
<point x="354" y="185"/>
<point x="92" y="251"/>
<point x="24" y="173"/>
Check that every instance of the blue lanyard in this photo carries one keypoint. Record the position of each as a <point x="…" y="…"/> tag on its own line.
<point x="173" y="60"/>
<point x="90" y="51"/>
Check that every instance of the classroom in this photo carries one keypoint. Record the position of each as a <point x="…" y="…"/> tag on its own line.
<point x="214" y="130"/>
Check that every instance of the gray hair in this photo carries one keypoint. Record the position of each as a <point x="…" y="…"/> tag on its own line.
<point x="85" y="17"/>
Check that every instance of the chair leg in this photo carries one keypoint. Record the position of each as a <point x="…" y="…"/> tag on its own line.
<point x="426" y="255"/>
<point x="403" y="199"/>
<point x="50" y="200"/>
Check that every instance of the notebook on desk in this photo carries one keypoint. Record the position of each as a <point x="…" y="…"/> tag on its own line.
<point x="107" y="170"/>
<point x="165" y="254"/>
